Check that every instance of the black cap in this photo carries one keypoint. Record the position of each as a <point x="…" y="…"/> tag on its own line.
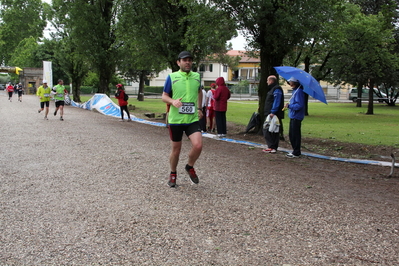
<point x="185" y="54"/>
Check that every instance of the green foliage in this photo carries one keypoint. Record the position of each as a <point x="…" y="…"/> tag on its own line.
<point x="24" y="53"/>
<point x="364" y="45"/>
<point x="274" y="28"/>
<point x="89" y="39"/>
<point x="91" y="79"/>
<point x="177" y="26"/>
<point x="19" y="19"/>
<point x="83" y="90"/>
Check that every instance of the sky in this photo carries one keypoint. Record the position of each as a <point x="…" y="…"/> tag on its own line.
<point x="238" y="43"/>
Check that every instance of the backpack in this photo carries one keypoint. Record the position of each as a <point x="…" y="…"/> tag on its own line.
<point x="126" y="97"/>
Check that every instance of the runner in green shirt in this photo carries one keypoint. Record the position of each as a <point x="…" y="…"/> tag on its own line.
<point x="44" y="93"/>
<point x="182" y="92"/>
<point x="59" y="94"/>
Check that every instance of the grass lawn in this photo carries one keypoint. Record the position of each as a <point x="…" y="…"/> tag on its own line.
<point x="337" y="121"/>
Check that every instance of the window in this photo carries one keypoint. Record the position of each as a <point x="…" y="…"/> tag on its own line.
<point x="210" y="67"/>
<point x="202" y="68"/>
<point x="224" y="68"/>
<point x="244" y="74"/>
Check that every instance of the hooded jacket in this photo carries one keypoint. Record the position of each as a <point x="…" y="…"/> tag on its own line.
<point x="121" y="97"/>
<point x="297" y="104"/>
<point x="222" y="94"/>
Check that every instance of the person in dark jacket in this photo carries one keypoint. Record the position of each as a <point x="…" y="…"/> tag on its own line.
<point x="296" y="114"/>
<point x="120" y="95"/>
<point x="274" y="105"/>
<point x="222" y="94"/>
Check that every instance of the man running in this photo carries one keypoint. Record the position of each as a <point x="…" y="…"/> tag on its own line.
<point x="59" y="96"/>
<point x="43" y="92"/>
<point x="182" y="91"/>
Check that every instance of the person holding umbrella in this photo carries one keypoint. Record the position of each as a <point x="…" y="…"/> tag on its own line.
<point x="296" y="114"/>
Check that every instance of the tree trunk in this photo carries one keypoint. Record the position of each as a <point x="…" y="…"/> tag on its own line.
<point x="370" y="107"/>
<point x="76" y="84"/>
<point x="140" y="95"/>
<point x="105" y="79"/>
<point x="359" y="94"/>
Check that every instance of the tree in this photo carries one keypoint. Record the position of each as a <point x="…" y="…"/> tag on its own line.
<point x="275" y="28"/>
<point x="91" y="37"/>
<point x="24" y="53"/>
<point x="68" y="50"/>
<point x="138" y="63"/>
<point x="363" y="52"/>
<point x="164" y="28"/>
<point x="19" y="20"/>
<point x="389" y="9"/>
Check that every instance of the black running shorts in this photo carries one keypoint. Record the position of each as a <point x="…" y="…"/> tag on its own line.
<point x="176" y="131"/>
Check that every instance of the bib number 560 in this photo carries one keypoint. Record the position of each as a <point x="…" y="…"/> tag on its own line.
<point x="187" y="108"/>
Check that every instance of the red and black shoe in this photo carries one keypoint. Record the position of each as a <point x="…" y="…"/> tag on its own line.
<point x="172" y="180"/>
<point x="191" y="172"/>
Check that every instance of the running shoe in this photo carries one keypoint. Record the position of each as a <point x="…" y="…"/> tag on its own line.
<point x="62" y="119"/>
<point x="55" y="113"/>
<point x="172" y="180"/>
<point x="290" y="155"/>
<point x="45" y="118"/>
<point x="269" y="150"/>
<point x="192" y="174"/>
<point x="39" y="111"/>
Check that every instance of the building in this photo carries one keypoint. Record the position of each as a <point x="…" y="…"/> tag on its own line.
<point x="31" y="78"/>
<point x="248" y="69"/>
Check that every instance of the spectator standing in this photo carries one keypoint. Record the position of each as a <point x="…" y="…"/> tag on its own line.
<point x="182" y="92"/>
<point x="274" y="105"/>
<point x="222" y="94"/>
<point x="296" y="114"/>
<point x="44" y="94"/>
<point x="120" y="95"/>
<point x="59" y="92"/>
<point x="210" y="112"/>
<point x="203" y="119"/>
<point x="10" y="90"/>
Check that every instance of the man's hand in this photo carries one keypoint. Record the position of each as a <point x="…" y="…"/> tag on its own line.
<point x="177" y="103"/>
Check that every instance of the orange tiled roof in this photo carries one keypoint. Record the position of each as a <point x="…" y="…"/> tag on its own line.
<point x="244" y="57"/>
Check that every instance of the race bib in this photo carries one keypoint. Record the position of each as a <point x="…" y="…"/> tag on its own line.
<point x="46" y="95"/>
<point x="187" y="108"/>
<point x="60" y="95"/>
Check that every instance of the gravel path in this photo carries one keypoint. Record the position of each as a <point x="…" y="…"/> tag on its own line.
<point x="92" y="191"/>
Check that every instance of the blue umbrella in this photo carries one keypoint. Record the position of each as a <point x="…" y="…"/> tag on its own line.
<point x="309" y="83"/>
